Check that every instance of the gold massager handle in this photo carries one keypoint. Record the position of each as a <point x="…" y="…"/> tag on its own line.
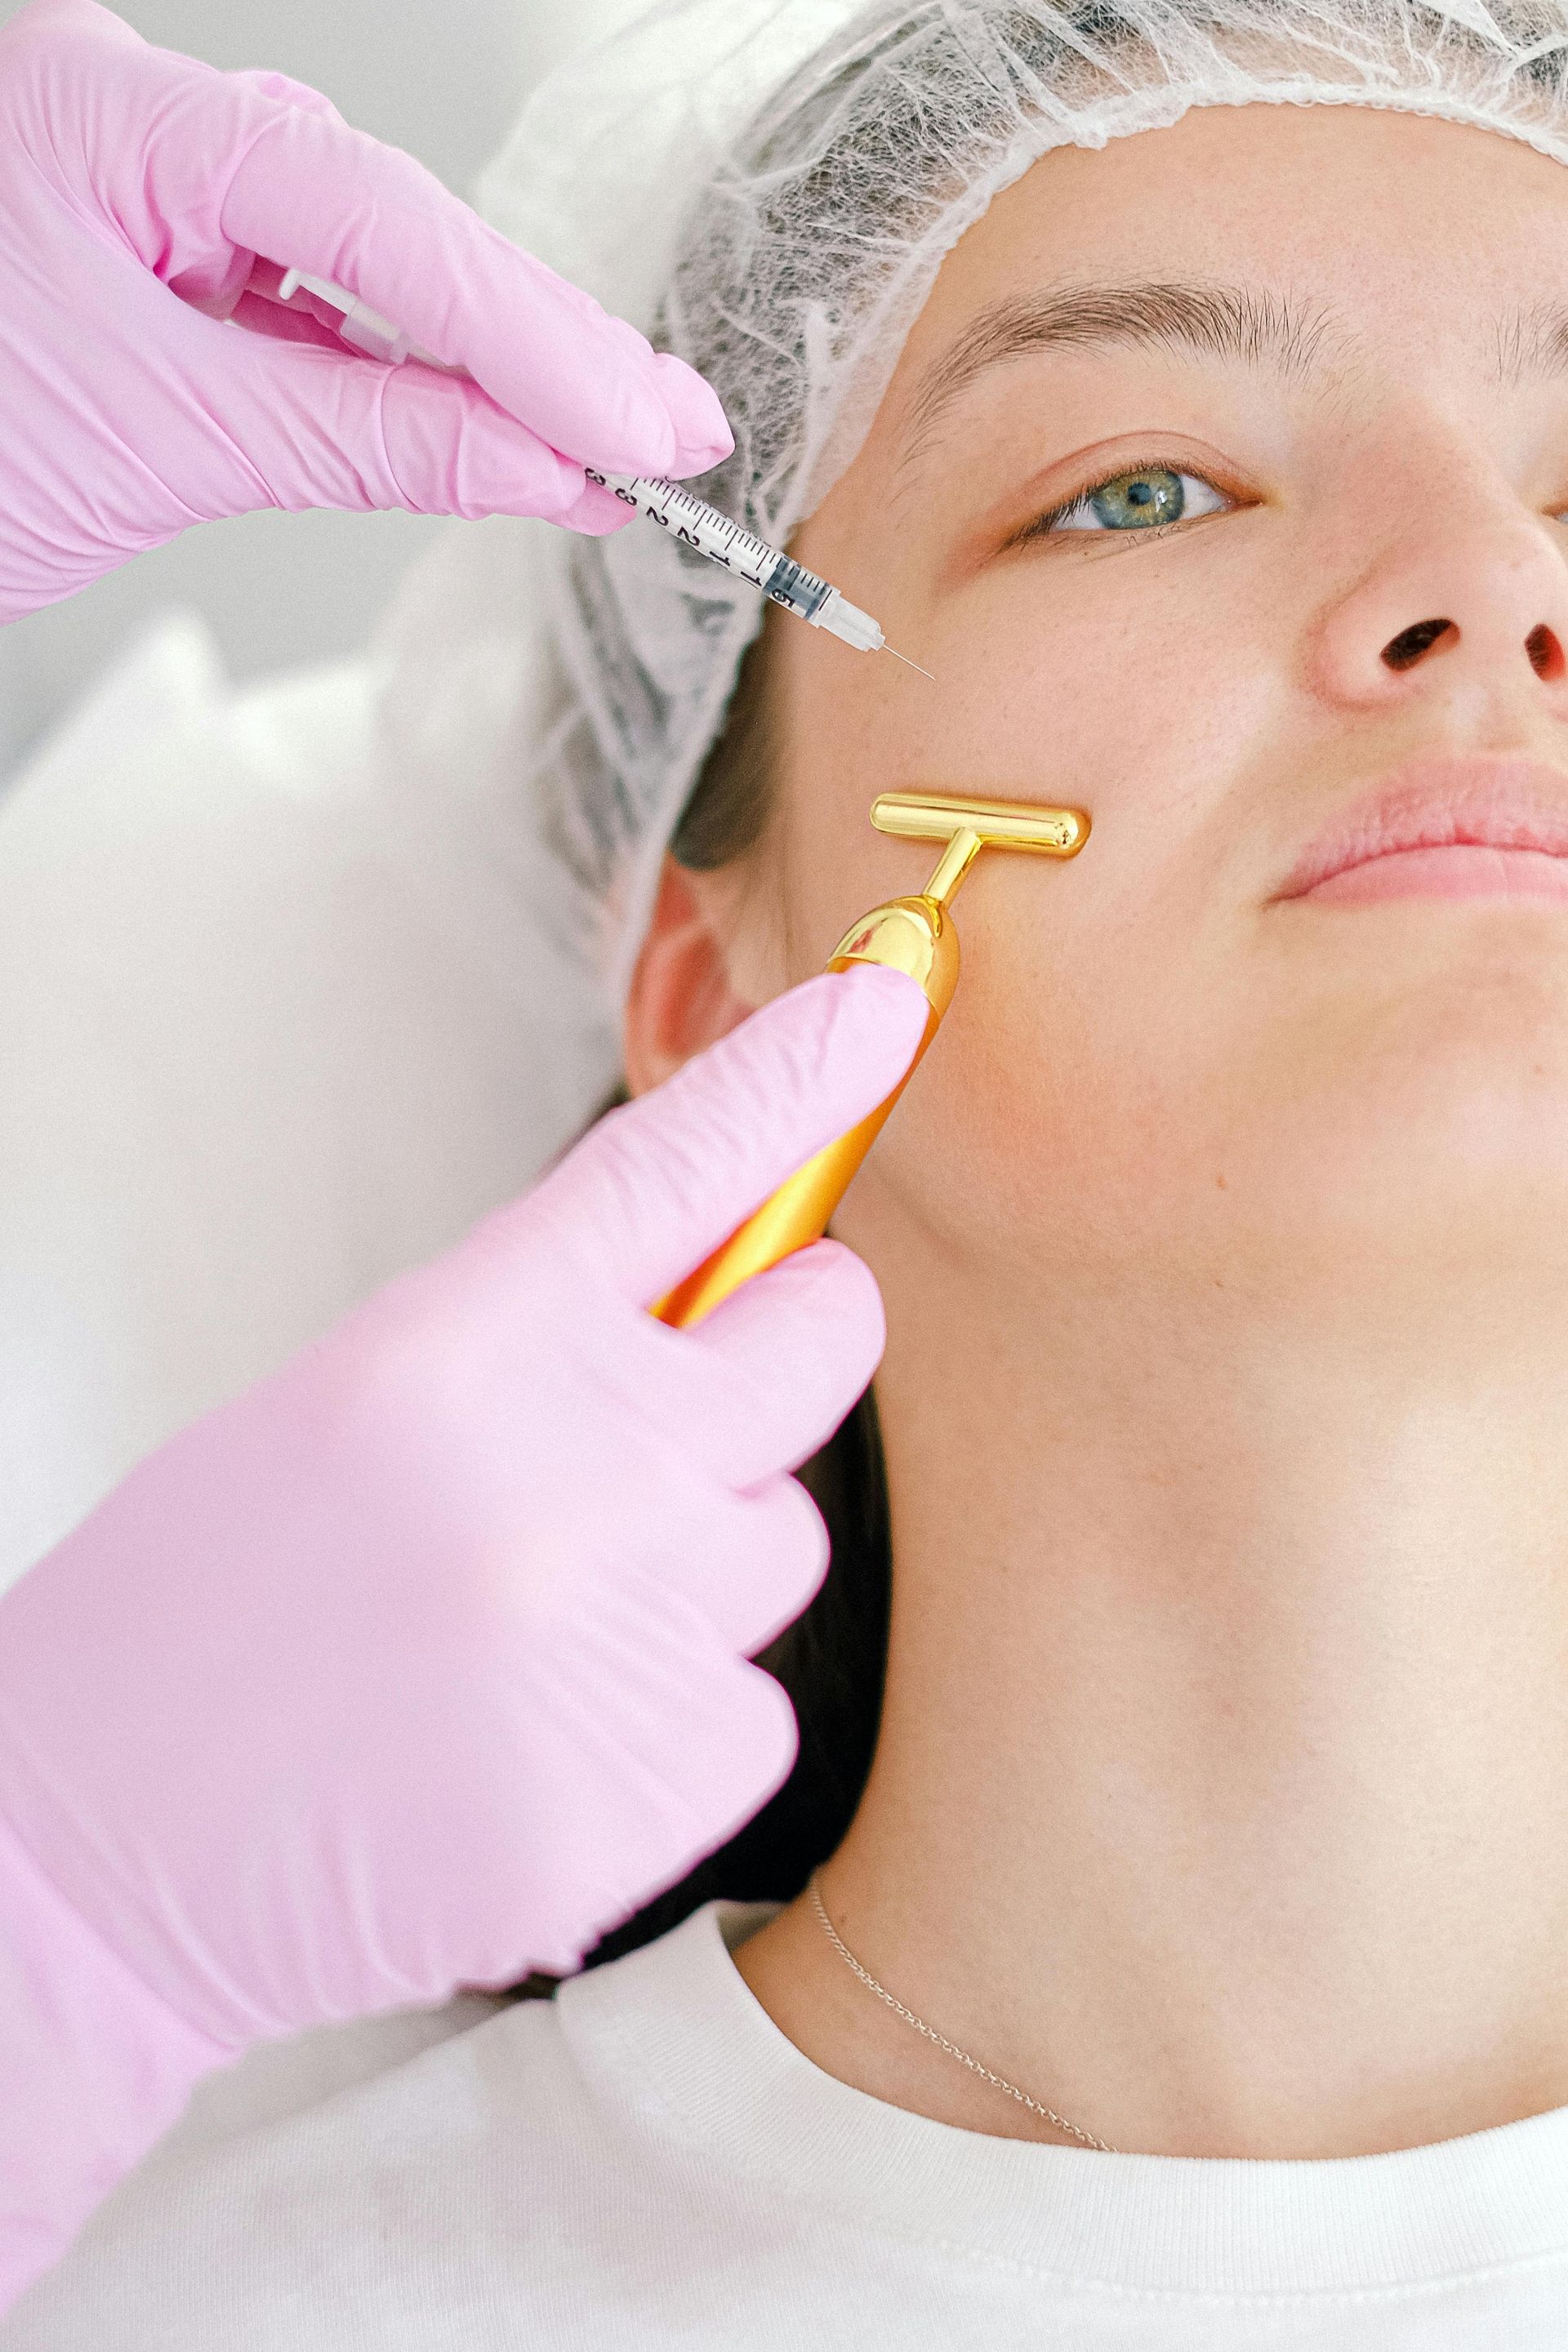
<point x="912" y="935"/>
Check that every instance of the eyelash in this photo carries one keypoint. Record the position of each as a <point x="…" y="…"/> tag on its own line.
<point x="1040" y="527"/>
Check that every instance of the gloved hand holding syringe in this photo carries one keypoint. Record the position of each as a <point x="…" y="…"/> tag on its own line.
<point x="675" y="509"/>
<point x="149" y="206"/>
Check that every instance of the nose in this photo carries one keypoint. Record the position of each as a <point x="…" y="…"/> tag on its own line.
<point x="1478" y="611"/>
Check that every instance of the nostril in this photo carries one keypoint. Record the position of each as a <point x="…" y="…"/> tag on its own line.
<point x="1545" y="652"/>
<point x="1412" y="643"/>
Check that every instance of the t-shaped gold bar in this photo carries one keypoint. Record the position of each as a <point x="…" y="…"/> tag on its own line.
<point x="969" y="826"/>
<point x="912" y="935"/>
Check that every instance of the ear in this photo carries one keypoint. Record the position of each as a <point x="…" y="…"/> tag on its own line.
<point x="682" y="998"/>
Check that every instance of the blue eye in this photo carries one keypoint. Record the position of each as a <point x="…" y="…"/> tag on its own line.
<point x="1144" y="498"/>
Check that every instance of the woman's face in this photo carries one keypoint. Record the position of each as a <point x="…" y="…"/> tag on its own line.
<point x="1329" y="344"/>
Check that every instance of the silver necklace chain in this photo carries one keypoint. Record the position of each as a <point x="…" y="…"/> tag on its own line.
<point x="1075" y="2130"/>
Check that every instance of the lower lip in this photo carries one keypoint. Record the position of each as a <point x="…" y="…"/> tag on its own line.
<point x="1457" y="870"/>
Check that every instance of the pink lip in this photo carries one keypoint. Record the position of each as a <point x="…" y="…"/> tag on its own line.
<point x="1444" y="828"/>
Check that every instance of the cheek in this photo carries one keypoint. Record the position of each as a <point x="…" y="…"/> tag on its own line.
<point x="1218" y="1102"/>
<point x="1087" y="1032"/>
<point x="1134" y="692"/>
<point x="1077" y="1103"/>
<point x="1130" y="675"/>
<point x="1064" y="1083"/>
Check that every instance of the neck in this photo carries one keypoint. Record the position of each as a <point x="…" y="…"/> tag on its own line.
<point x="1221" y="1800"/>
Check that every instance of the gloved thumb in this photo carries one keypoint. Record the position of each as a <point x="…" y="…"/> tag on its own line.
<point x="658" y="1184"/>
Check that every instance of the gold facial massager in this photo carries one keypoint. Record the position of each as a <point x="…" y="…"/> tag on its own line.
<point x="912" y="935"/>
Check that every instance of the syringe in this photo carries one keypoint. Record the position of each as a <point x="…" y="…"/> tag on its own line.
<point x="724" y="542"/>
<point x="694" y="523"/>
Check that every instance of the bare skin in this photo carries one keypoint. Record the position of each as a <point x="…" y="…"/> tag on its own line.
<point x="1222" y="1795"/>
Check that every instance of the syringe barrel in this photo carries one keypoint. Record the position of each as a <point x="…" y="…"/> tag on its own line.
<point x="698" y="526"/>
<point x="711" y="534"/>
<point x="798" y="590"/>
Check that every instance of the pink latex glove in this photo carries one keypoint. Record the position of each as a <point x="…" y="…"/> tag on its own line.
<point x="141" y="196"/>
<point x="426" y="1660"/>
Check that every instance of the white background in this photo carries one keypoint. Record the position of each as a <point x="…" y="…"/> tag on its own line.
<point x="442" y="77"/>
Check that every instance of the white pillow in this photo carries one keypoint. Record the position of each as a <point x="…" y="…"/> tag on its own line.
<point x="257" y="1054"/>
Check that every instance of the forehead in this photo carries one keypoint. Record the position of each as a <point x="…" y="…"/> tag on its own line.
<point x="1353" y="227"/>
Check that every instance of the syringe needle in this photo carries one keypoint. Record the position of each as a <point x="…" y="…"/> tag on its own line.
<point x="908" y="664"/>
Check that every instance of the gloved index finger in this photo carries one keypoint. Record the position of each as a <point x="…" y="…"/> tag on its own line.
<point x="320" y="196"/>
<point x="657" y="1185"/>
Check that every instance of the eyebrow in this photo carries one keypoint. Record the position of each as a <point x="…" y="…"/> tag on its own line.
<point x="1247" y="325"/>
<point x="1533" y="342"/>
<point x="1236" y="322"/>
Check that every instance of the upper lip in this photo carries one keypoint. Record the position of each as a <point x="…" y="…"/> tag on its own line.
<point x="1498" y="803"/>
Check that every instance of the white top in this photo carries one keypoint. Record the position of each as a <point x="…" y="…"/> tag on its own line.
<point x="647" y="2161"/>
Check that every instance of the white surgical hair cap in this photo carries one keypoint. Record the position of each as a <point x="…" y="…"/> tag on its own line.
<point x="769" y="188"/>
